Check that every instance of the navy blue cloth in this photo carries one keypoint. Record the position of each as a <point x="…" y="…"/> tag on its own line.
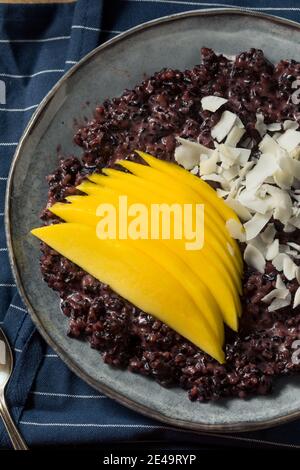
<point x="38" y="43"/>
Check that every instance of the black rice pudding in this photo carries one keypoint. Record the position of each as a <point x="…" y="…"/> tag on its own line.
<point x="149" y="118"/>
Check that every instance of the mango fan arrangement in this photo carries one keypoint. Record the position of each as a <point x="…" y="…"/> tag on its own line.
<point x="192" y="291"/>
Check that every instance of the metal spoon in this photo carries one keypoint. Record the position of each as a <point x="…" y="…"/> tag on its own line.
<point x="6" y="366"/>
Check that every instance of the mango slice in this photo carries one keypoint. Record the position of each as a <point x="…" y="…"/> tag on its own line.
<point x="191" y="291"/>
<point x="167" y="181"/>
<point x="167" y="258"/>
<point x="215" y="226"/>
<point x="181" y="194"/>
<point x="127" y="184"/>
<point x="192" y="181"/>
<point x="83" y="209"/>
<point x="164" y="180"/>
<point x="216" y="255"/>
<point x="123" y="268"/>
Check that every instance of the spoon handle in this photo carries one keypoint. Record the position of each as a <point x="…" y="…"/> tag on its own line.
<point x="15" y="437"/>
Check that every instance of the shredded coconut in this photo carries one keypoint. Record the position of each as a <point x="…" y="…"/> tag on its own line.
<point x="260" y="188"/>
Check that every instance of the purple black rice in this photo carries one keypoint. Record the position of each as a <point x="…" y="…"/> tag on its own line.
<point x="148" y="118"/>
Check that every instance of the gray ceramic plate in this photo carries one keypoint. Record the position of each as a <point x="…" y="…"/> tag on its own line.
<point x="121" y="63"/>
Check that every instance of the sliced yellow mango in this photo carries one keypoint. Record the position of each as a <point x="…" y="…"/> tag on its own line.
<point x="192" y="181"/>
<point x="206" y="281"/>
<point x="83" y="209"/>
<point x="161" y="180"/>
<point x="129" y="184"/>
<point x="133" y="275"/>
<point x="203" y="189"/>
<point x="162" y="255"/>
<point x="164" y="180"/>
<point x="158" y="185"/>
<point x="216" y="254"/>
<point x="210" y="198"/>
<point x="79" y="213"/>
<point x="180" y="194"/>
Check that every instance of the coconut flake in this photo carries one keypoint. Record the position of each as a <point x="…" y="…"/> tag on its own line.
<point x="231" y="173"/>
<point x="279" y="282"/>
<point x="234" y="136"/>
<point x="283" y="179"/>
<point x="294" y="196"/>
<point x="289" y="166"/>
<point x="221" y="193"/>
<point x="259" y="244"/>
<point x="255" y="225"/>
<point x="294" y="245"/>
<point x="199" y="148"/>
<point x="266" y="166"/>
<point x="209" y="165"/>
<point x="288" y="228"/>
<point x="297" y="298"/>
<point x="281" y="203"/>
<point x="265" y="187"/>
<point x="260" y="125"/>
<point x="254" y="258"/>
<point x="293" y="167"/>
<point x="241" y="211"/>
<point x="244" y="155"/>
<point x="212" y="103"/>
<point x="274" y="126"/>
<point x="298" y="274"/>
<point x="228" y="155"/>
<point x="247" y="143"/>
<point x="195" y="170"/>
<point x="289" y="140"/>
<point x="186" y="157"/>
<point x="268" y="145"/>
<point x="290" y="125"/>
<point x="239" y="123"/>
<point x="214" y="177"/>
<point x="224" y="126"/>
<point x="268" y="234"/>
<point x="279" y="260"/>
<point x="275" y="294"/>
<point x="227" y="56"/>
<point x="295" y="153"/>
<point x="272" y="250"/>
<point x="235" y="187"/>
<point x="289" y="268"/>
<point x="254" y="202"/>
<point x="235" y="230"/>
<point x="277" y="304"/>
<point x="292" y="253"/>
<point x="295" y="221"/>
<point x="277" y="135"/>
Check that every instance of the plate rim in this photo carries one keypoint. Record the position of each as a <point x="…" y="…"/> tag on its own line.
<point x="187" y="426"/>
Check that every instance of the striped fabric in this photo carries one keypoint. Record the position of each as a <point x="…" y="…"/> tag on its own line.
<point x="38" y="43"/>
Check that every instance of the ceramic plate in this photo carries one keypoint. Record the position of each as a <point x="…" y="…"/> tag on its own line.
<point x="174" y="41"/>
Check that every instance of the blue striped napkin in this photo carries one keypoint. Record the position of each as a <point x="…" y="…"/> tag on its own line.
<point x="52" y="407"/>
